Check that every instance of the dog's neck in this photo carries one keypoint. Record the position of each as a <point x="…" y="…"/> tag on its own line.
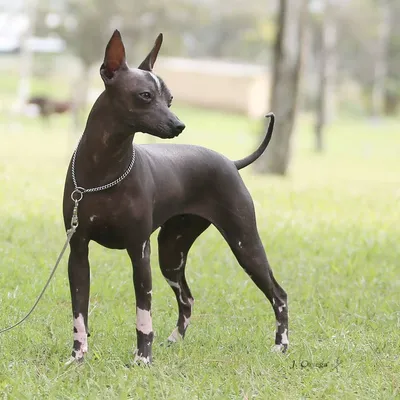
<point x="105" y="150"/>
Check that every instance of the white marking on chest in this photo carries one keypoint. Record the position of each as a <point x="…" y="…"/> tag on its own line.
<point x="144" y="322"/>
<point x="157" y="81"/>
<point x="92" y="218"/>
<point x="81" y="336"/>
<point x="240" y="244"/>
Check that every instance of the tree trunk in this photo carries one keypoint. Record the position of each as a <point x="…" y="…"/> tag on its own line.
<point x="381" y="62"/>
<point x="327" y="74"/>
<point x="288" y="53"/>
<point x="26" y="57"/>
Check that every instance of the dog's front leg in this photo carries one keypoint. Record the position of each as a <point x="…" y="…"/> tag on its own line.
<point x="79" y="282"/>
<point x="140" y="256"/>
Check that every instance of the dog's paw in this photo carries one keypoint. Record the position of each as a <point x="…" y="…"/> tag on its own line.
<point x="74" y="360"/>
<point x="279" y="348"/>
<point x="141" y="360"/>
<point x="77" y="356"/>
<point x="175" y="337"/>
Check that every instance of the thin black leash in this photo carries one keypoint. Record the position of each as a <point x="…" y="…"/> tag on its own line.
<point x="76" y="197"/>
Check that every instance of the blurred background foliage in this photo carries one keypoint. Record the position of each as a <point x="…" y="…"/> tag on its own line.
<point x="344" y="55"/>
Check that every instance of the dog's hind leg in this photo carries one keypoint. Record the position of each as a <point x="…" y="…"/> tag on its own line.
<point x="174" y="241"/>
<point x="237" y="223"/>
<point x="250" y="254"/>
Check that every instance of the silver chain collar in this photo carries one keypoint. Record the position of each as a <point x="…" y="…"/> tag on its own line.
<point x="79" y="191"/>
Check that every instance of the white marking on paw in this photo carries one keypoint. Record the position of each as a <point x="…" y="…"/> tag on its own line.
<point x="278" y="324"/>
<point x="285" y="339"/>
<point x="175" y="336"/>
<point x="144" y="322"/>
<point x="280" y="309"/>
<point x="278" y="348"/>
<point x="141" y="359"/>
<point x="81" y="336"/>
<point x="150" y="292"/>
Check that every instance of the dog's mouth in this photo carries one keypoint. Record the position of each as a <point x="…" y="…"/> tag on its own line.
<point x="164" y="132"/>
<point x="175" y="134"/>
<point x="162" y="135"/>
<point x="171" y="135"/>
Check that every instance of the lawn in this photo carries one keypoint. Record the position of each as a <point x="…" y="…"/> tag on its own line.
<point x="331" y="231"/>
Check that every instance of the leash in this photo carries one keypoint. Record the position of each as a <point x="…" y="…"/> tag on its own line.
<point x="70" y="232"/>
<point x="76" y="197"/>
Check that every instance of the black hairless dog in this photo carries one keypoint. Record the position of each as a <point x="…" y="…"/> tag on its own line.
<point x="180" y="188"/>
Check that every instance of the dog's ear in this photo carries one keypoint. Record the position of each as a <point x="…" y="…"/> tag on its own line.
<point x="114" y="58"/>
<point x="149" y="61"/>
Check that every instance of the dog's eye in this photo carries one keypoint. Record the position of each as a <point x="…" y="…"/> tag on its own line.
<point x="170" y="101"/>
<point x="145" y="95"/>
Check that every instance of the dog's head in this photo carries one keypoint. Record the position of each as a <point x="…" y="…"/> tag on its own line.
<point x="140" y="99"/>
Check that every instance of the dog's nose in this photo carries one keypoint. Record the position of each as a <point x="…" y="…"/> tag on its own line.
<point x="180" y="127"/>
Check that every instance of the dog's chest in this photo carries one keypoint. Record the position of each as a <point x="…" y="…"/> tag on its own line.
<point x="110" y="223"/>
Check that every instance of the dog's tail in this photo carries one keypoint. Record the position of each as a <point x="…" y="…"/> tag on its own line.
<point x="244" y="162"/>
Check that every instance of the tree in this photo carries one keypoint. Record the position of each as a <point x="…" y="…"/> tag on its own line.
<point x="288" y="52"/>
<point x="325" y="107"/>
<point x="368" y="53"/>
<point x="381" y="58"/>
<point x="86" y="29"/>
<point x="26" y="56"/>
<point x="392" y="92"/>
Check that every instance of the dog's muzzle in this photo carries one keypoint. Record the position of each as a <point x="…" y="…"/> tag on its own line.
<point x="178" y="128"/>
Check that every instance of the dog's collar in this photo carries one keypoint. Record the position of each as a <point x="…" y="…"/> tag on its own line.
<point x="79" y="190"/>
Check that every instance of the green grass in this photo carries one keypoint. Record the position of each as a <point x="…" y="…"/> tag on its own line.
<point x="331" y="231"/>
